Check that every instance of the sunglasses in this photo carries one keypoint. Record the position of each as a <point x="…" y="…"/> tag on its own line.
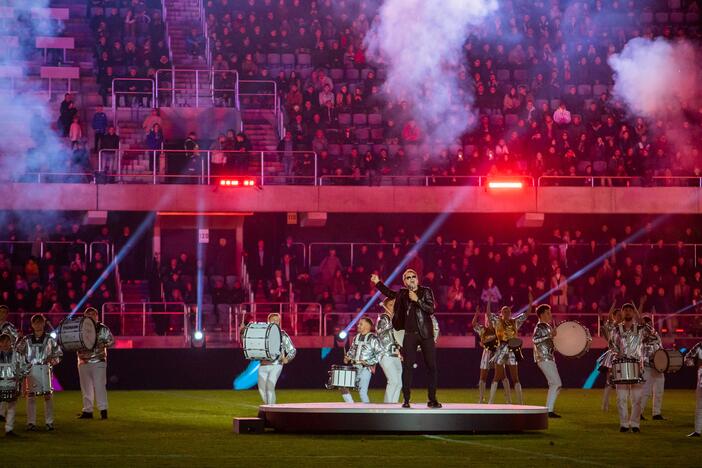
<point x="410" y="277"/>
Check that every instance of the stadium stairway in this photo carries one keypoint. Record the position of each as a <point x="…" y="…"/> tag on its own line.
<point x="182" y="16"/>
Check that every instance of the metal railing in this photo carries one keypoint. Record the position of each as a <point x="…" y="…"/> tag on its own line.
<point x="209" y="166"/>
<point x="619" y="181"/>
<point x="291" y="314"/>
<point x="376" y="178"/>
<point x="134" y="314"/>
<point x="137" y="97"/>
<point x="205" y="31"/>
<point x="173" y="87"/>
<point x="164" y="14"/>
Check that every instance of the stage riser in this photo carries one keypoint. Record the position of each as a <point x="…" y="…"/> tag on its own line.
<point x="134" y="369"/>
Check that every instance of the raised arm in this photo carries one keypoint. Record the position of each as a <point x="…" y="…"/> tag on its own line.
<point x="387" y="292"/>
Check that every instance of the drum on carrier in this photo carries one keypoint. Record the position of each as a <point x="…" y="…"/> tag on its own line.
<point x="9" y="385"/>
<point x="572" y="339"/>
<point x="667" y="361"/>
<point x="39" y="380"/>
<point x="262" y="341"/>
<point x="626" y="371"/>
<point x="77" y="333"/>
<point x="515" y="345"/>
<point x="342" y="377"/>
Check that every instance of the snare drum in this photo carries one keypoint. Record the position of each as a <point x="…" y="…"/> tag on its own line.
<point x="515" y="345"/>
<point x="572" y="339"/>
<point x="667" y="361"/>
<point x="77" y="333"/>
<point x="9" y="385"/>
<point x="342" y="377"/>
<point x="262" y="341"/>
<point x="626" y="371"/>
<point x="39" y="380"/>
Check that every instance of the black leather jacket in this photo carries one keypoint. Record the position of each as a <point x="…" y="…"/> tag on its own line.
<point x="423" y="308"/>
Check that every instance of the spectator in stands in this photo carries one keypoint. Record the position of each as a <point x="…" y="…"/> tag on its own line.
<point x="193" y="159"/>
<point x="154" y="139"/>
<point x="99" y="124"/>
<point x="287" y="148"/>
<point x="153" y="118"/>
<point x="491" y="294"/>
<point x="411" y="132"/>
<point x="195" y="43"/>
<point x="75" y="132"/>
<point x="327" y="269"/>
<point x="561" y="116"/>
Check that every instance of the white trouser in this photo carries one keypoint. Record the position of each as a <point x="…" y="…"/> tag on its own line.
<point x="626" y="392"/>
<point x="93" y="385"/>
<point x="363" y="380"/>
<point x="48" y="409"/>
<point x="655" y="383"/>
<point x="698" y="408"/>
<point x="267" y="378"/>
<point x="550" y="371"/>
<point x="10" y="416"/>
<point x="392" y="367"/>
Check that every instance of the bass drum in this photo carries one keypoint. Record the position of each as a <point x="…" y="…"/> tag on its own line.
<point x="261" y="341"/>
<point x="572" y="339"/>
<point x="667" y="361"/>
<point x="77" y="333"/>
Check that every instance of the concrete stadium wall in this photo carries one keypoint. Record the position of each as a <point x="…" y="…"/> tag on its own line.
<point x="276" y="198"/>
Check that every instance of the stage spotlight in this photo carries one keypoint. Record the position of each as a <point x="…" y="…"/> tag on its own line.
<point x="198" y="339"/>
<point x="343" y="334"/>
<point x="53" y="335"/>
<point x="682" y="350"/>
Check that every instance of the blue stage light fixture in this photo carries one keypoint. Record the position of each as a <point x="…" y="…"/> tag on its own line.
<point x="343" y="334"/>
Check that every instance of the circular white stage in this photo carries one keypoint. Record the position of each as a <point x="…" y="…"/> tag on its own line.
<point x="360" y="417"/>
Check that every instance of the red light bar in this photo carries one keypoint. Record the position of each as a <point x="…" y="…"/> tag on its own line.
<point x="679" y="330"/>
<point x="237" y="183"/>
<point x="506" y="184"/>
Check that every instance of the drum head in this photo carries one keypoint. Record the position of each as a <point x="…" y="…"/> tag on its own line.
<point x="88" y="332"/>
<point x="572" y="339"/>
<point x="274" y="340"/>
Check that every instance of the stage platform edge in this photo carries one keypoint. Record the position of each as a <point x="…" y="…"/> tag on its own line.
<point x="392" y="418"/>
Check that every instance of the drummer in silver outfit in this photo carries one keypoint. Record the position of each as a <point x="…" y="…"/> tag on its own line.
<point x="391" y="360"/>
<point x="364" y="353"/>
<point x="488" y="341"/>
<point x="13" y="369"/>
<point x="694" y="358"/>
<point x="627" y="341"/>
<point x="92" y="369"/>
<point x="507" y="328"/>
<point x="604" y="362"/>
<point x="40" y="349"/>
<point x="543" y="356"/>
<point x="6" y="328"/>
<point x="269" y="371"/>
<point x="654" y="381"/>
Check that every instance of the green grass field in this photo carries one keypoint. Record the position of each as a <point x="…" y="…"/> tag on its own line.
<point x="194" y="428"/>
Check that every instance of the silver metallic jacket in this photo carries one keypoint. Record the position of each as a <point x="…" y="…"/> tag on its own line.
<point x="13" y="366"/>
<point x="287" y="349"/>
<point x="630" y="343"/>
<point x="99" y="352"/>
<point x="694" y="355"/>
<point x="6" y="328"/>
<point x="651" y="345"/>
<point x="365" y="348"/>
<point x="45" y="352"/>
<point x="383" y="329"/>
<point x="543" y="342"/>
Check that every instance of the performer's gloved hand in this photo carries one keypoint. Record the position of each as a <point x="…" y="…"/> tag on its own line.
<point x="374" y="278"/>
<point x="413" y="296"/>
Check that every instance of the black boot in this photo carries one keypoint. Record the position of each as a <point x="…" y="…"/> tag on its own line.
<point x="103" y="414"/>
<point x="85" y="415"/>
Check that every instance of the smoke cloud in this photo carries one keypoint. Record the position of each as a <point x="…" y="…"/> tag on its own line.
<point x="657" y="78"/>
<point x="27" y="141"/>
<point x="421" y="41"/>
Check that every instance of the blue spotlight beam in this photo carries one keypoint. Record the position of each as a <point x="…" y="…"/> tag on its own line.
<point x="136" y="236"/>
<point x="431" y="230"/>
<point x="200" y="272"/>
